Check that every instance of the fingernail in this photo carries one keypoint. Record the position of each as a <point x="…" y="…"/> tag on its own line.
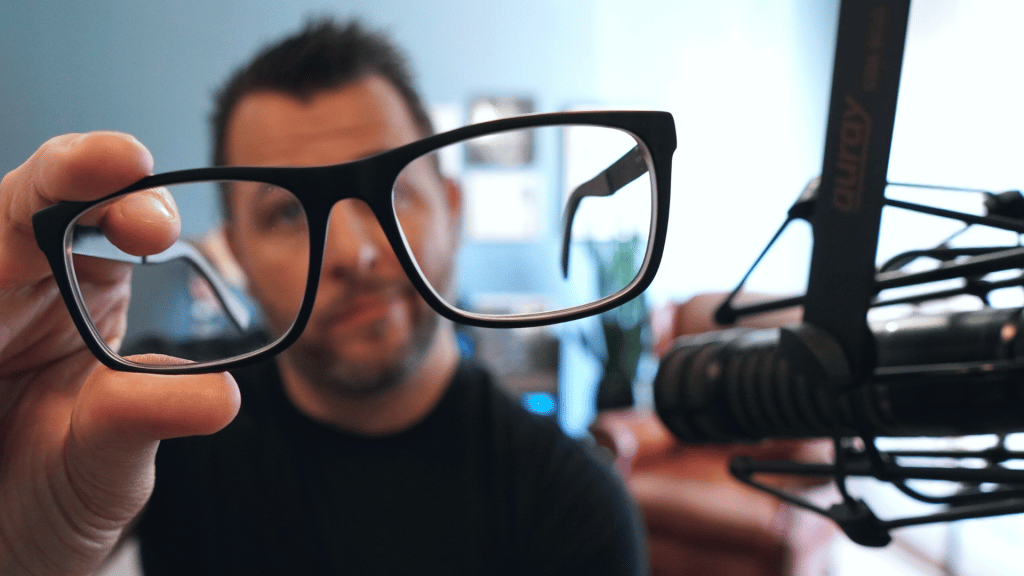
<point x="148" y="207"/>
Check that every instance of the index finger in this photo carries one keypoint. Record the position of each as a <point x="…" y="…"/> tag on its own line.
<point x="69" y="167"/>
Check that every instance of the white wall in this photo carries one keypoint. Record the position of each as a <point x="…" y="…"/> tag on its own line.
<point x="748" y="83"/>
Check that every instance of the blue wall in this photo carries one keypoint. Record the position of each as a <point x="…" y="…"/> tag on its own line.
<point x="148" y="68"/>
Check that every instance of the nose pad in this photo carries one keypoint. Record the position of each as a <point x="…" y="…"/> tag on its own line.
<point x="356" y="244"/>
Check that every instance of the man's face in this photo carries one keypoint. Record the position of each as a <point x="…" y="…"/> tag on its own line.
<point x="369" y="327"/>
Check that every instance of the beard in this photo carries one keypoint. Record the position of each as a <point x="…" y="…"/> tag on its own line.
<point x="333" y="368"/>
<point x="377" y="357"/>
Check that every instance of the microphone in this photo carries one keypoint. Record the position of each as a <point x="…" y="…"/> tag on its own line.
<point x="935" y="375"/>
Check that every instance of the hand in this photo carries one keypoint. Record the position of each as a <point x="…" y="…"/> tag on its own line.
<point x="77" y="440"/>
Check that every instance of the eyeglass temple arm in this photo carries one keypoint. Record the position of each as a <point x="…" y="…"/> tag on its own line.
<point x="629" y="167"/>
<point x="90" y="241"/>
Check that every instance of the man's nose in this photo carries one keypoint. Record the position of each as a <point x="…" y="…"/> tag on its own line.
<point x="356" y="244"/>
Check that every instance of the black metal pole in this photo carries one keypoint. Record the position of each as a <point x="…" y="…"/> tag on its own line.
<point x="865" y="83"/>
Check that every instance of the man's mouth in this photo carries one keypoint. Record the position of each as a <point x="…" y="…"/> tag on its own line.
<point x="360" y="309"/>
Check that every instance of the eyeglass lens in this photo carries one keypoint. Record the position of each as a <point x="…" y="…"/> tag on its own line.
<point x="552" y="217"/>
<point x="192" y="300"/>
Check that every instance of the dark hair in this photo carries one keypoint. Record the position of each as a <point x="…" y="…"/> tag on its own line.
<point x="322" y="56"/>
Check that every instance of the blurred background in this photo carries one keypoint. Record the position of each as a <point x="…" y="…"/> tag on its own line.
<point x="748" y="83"/>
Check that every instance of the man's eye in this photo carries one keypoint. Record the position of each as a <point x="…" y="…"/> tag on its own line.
<point x="289" y="211"/>
<point x="282" y="214"/>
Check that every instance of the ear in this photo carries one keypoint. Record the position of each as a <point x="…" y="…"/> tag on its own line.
<point x="231" y="240"/>
<point x="227" y="232"/>
<point x="453" y="196"/>
<point x="221" y="247"/>
<point x="229" y="225"/>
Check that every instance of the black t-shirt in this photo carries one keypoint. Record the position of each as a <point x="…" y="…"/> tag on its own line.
<point x="480" y="486"/>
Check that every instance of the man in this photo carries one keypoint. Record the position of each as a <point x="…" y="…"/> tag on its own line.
<point x="383" y="454"/>
<point x="368" y="447"/>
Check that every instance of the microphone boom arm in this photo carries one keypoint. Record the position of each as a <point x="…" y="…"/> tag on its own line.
<point x="830" y="360"/>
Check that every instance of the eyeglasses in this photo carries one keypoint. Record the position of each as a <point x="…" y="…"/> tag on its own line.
<point x="520" y="234"/>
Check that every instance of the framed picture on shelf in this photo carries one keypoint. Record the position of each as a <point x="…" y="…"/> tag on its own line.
<point x="509" y="150"/>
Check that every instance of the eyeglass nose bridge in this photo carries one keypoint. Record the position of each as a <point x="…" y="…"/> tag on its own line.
<point x="355" y="240"/>
<point x="322" y="189"/>
<point x="372" y="181"/>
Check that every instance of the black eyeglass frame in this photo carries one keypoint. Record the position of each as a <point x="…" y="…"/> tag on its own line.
<point x="654" y="130"/>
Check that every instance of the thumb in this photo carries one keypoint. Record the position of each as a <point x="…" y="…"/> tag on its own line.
<point x="117" y="423"/>
<point x="118" y="411"/>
